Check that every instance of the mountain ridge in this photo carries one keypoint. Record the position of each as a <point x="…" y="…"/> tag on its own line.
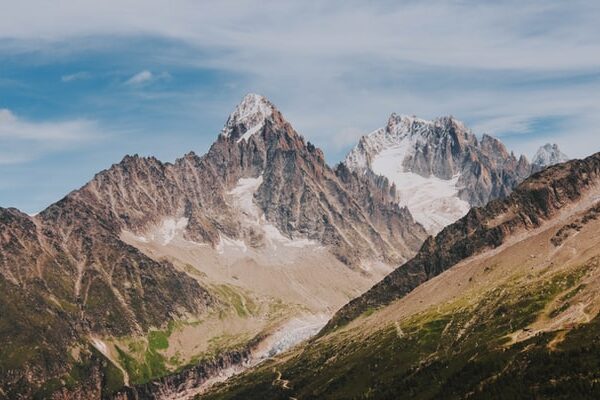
<point x="440" y="167"/>
<point x="508" y="309"/>
<point x="98" y="265"/>
<point x="239" y="246"/>
<point x="480" y="229"/>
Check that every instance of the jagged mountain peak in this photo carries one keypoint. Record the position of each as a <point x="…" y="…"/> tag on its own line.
<point x="132" y="159"/>
<point x="439" y="166"/>
<point x="402" y="125"/>
<point x="248" y="117"/>
<point x="549" y="154"/>
<point x="146" y="242"/>
<point x="495" y="149"/>
<point x="449" y="121"/>
<point x="403" y="120"/>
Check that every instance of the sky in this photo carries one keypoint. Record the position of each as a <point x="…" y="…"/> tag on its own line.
<point x="82" y="83"/>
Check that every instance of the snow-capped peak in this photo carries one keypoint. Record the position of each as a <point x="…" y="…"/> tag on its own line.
<point x="409" y="151"/>
<point x="549" y="154"/>
<point x="248" y="117"/>
<point x="408" y="133"/>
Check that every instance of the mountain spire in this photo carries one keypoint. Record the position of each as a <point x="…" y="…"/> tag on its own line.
<point x="248" y="117"/>
<point x="439" y="167"/>
<point x="547" y="155"/>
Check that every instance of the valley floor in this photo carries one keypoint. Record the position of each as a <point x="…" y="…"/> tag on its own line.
<point x="269" y="299"/>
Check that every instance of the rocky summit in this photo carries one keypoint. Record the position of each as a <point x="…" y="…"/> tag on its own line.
<point x="548" y="155"/>
<point x="440" y="168"/>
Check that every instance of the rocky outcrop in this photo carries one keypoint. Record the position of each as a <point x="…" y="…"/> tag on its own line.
<point x="189" y="380"/>
<point x="548" y="155"/>
<point x="536" y="200"/>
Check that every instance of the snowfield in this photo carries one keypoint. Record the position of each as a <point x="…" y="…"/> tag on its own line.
<point x="432" y="201"/>
<point x="242" y="196"/>
<point x="166" y="231"/>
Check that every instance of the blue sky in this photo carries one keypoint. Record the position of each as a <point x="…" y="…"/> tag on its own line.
<point x="84" y="83"/>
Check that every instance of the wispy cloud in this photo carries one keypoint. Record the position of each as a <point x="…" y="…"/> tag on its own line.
<point x="145" y="77"/>
<point x="22" y="140"/>
<point x="140" y="78"/>
<point x="505" y="34"/>
<point x="76" y="76"/>
<point x="341" y="67"/>
<point x="336" y="69"/>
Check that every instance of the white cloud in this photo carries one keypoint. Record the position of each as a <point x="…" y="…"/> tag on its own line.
<point x="507" y="34"/>
<point x="140" y="78"/>
<point x="145" y="77"/>
<point x="22" y="140"/>
<point x="76" y="76"/>
<point x="339" y="68"/>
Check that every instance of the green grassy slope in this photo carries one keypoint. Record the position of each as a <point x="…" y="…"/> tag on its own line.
<point x="456" y="351"/>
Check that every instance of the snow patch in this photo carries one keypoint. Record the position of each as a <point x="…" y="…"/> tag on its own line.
<point x="169" y="228"/>
<point x="273" y="236"/>
<point x="432" y="201"/>
<point x="293" y="332"/>
<point x="242" y="196"/>
<point x="226" y="243"/>
<point x="164" y="233"/>
<point x="250" y="132"/>
<point x="100" y="346"/>
<point x="251" y="114"/>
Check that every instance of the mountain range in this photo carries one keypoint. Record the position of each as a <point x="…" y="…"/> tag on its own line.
<point x="502" y="304"/>
<point x="155" y="279"/>
<point x="441" y="169"/>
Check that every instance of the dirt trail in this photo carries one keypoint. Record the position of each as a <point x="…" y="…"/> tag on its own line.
<point x="284" y="383"/>
<point x="560" y="336"/>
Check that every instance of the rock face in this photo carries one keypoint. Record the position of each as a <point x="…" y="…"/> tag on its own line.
<point x="548" y="155"/>
<point x="185" y="383"/>
<point x="300" y="194"/>
<point x="439" y="167"/>
<point x="66" y="275"/>
<point x="536" y="200"/>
